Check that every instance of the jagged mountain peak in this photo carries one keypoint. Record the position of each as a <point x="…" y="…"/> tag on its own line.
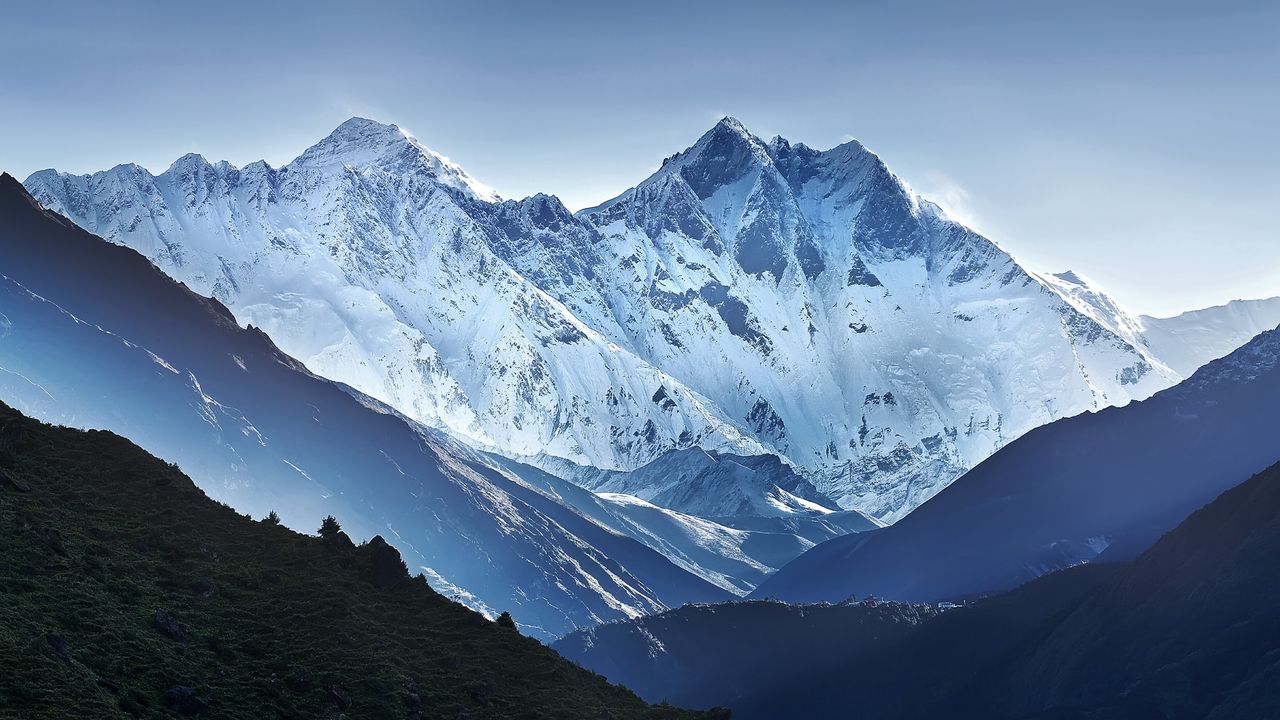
<point x="726" y="193"/>
<point x="52" y="175"/>
<point x="780" y="146"/>
<point x="727" y="130"/>
<point x="1089" y="298"/>
<point x="724" y="155"/>
<point x="729" y="155"/>
<point x="543" y="211"/>
<point x="194" y="168"/>
<point x="190" y="160"/>
<point x="363" y="144"/>
<point x="730" y="123"/>
<point x="360" y="133"/>
<point x="844" y="172"/>
<point x="1073" y="280"/>
<point x="357" y="127"/>
<point x="359" y="144"/>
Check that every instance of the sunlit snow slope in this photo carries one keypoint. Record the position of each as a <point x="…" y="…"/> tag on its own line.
<point x="94" y="336"/>
<point x="750" y="297"/>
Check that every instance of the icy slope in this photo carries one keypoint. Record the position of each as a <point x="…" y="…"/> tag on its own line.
<point x="748" y="298"/>
<point x="1107" y="482"/>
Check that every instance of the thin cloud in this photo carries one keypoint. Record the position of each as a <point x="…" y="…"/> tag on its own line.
<point x="950" y="196"/>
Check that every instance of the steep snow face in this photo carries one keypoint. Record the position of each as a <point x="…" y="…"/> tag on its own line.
<point x="848" y="323"/>
<point x="378" y="263"/>
<point x="1091" y="300"/>
<point x="748" y="298"/>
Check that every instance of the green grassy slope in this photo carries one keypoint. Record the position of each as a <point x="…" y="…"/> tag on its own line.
<point x="105" y="549"/>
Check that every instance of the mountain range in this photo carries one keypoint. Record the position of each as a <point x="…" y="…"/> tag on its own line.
<point x="749" y="298"/>
<point x="599" y="363"/>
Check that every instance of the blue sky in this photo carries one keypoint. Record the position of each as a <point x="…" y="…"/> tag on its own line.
<point x="1133" y="142"/>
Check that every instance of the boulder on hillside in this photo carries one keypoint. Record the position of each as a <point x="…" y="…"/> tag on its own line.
<point x="386" y="567"/>
<point x="166" y="624"/>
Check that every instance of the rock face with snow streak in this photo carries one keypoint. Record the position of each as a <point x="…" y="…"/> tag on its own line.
<point x="378" y="263"/>
<point x="748" y="298"/>
<point x="856" y="330"/>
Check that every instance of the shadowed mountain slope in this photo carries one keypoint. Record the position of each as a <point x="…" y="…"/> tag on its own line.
<point x="126" y="592"/>
<point x="1190" y="629"/>
<point x="93" y="335"/>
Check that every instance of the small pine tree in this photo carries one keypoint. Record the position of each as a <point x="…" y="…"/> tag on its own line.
<point x="330" y="527"/>
<point x="272" y="518"/>
<point x="504" y="620"/>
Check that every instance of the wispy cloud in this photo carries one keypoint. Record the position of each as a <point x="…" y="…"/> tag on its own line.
<point x="950" y="196"/>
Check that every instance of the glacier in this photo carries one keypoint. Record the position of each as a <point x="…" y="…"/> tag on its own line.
<point x="749" y="298"/>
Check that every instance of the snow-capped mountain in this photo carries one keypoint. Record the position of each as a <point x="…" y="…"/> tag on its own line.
<point x="1187" y="341"/>
<point x="860" y="332"/>
<point x="1093" y="301"/>
<point x="710" y="484"/>
<point x="748" y="298"/>
<point x="737" y="526"/>
<point x="1104" y="484"/>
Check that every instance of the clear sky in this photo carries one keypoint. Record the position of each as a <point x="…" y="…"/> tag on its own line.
<point x="1134" y="142"/>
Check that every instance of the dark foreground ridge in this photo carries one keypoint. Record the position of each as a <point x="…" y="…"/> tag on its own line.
<point x="126" y="592"/>
<point x="1187" y="631"/>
